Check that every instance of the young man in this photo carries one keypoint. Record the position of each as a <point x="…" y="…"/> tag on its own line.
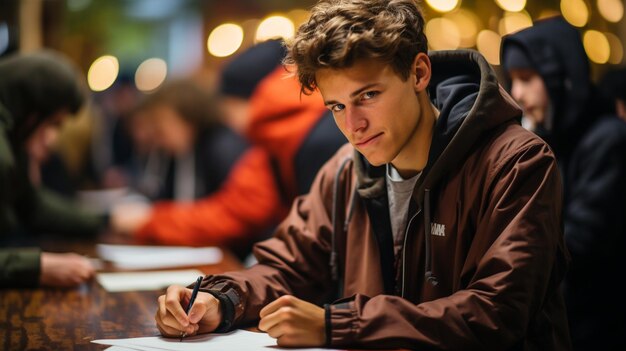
<point x="437" y="228"/>
<point x="549" y="74"/>
<point x="38" y="91"/>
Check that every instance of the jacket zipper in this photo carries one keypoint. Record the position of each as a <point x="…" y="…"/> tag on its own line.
<point x="406" y="235"/>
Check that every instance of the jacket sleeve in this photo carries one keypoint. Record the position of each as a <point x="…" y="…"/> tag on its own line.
<point x="515" y="272"/>
<point x="594" y="214"/>
<point x="244" y="207"/>
<point x="51" y="213"/>
<point x="19" y="268"/>
<point x="295" y="261"/>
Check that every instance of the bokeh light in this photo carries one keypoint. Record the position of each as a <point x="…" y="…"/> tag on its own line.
<point x="443" y="5"/>
<point x="488" y="43"/>
<point x="150" y="74"/>
<point x="512" y="22"/>
<point x="442" y="34"/>
<point x="597" y="46"/>
<point x="225" y="39"/>
<point x="611" y="10"/>
<point x="103" y="73"/>
<point x="468" y="24"/>
<point x="617" y="49"/>
<point x="511" y="5"/>
<point x="298" y="16"/>
<point x="575" y="12"/>
<point x="275" y="27"/>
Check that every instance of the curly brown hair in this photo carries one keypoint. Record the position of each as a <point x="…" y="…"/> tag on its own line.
<point x="339" y="32"/>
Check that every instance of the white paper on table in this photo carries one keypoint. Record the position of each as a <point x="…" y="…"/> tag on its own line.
<point x="123" y="348"/>
<point x="133" y="281"/>
<point x="154" y="257"/>
<point x="238" y="340"/>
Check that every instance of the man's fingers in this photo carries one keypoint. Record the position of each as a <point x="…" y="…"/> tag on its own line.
<point x="164" y="329"/>
<point x="173" y="298"/>
<point x="286" y="300"/>
<point x="277" y="330"/>
<point x="281" y="315"/>
<point x="200" y="307"/>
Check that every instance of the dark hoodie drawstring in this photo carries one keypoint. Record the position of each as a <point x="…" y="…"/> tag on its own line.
<point x="428" y="273"/>
<point x="334" y="270"/>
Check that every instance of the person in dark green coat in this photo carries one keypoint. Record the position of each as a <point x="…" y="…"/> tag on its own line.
<point x="37" y="93"/>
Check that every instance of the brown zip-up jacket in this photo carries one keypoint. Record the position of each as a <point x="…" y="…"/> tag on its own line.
<point x="483" y="254"/>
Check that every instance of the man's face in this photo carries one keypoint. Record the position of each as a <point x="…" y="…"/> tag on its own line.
<point x="236" y="113"/>
<point x="620" y="108"/>
<point x="173" y="134"/>
<point x="529" y="90"/>
<point x="373" y="107"/>
<point x="43" y="138"/>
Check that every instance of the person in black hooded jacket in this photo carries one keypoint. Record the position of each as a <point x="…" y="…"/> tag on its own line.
<point x="37" y="93"/>
<point x="549" y="74"/>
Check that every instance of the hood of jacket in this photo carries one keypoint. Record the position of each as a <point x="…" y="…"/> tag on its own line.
<point x="281" y="118"/>
<point x="465" y="90"/>
<point x="32" y="88"/>
<point x="557" y="54"/>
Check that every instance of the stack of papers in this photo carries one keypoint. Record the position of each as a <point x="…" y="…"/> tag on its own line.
<point x="135" y="281"/>
<point x="238" y="340"/>
<point x="156" y="257"/>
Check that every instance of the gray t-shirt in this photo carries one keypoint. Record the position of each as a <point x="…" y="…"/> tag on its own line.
<point x="399" y="191"/>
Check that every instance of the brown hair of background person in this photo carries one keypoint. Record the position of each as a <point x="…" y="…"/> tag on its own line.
<point x="439" y="227"/>
<point x="38" y="92"/>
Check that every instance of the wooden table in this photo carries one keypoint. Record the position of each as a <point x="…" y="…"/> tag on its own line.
<point x="52" y="319"/>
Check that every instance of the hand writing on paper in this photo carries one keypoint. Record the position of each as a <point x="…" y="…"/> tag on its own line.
<point x="171" y="319"/>
<point x="294" y="322"/>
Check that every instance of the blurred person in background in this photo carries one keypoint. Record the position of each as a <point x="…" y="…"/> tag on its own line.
<point x="37" y="94"/>
<point x="292" y="135"/>
<point x="112" y="152"/>
<point x="613" y="86"/>
<point x="208" y="194"/>
<point x="549" y="74"/>
<point x="265" y="104"/>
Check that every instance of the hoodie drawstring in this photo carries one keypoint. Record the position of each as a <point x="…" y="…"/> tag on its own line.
<point x="334" y="269"/>
<point x="428" y="273"/>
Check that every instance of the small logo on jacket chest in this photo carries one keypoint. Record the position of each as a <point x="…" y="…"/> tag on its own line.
<point x="438" y="229"/>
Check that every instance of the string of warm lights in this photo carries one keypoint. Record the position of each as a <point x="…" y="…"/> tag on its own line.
<point x="449" y="27"/>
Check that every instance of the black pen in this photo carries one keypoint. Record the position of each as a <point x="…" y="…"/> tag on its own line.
<point x="194" y="293"/>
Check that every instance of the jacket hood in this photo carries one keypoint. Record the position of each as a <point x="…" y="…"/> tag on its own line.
<point x="465" y="90"/>
<point x="33" y="87"/>
<point x="556" y="52"/>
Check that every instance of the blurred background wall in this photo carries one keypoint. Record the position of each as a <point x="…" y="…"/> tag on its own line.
<point x="151" y="40"/>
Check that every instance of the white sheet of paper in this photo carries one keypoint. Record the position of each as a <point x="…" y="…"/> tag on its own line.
<point x="238" y="340"/>
<point x="133" y="281"/>
<point x="124" y="348"/>
<point x="155" y="257"/>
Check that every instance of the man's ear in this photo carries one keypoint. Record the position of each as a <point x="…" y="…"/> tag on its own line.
<point x="421" y="72"/>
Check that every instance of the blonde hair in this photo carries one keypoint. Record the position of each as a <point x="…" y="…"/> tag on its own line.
<point x="339" y="32"/>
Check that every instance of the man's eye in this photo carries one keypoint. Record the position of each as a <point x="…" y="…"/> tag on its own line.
<point x="338" y="107"/>
<point x="370" y="94"/>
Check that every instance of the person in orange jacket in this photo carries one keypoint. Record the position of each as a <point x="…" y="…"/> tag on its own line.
<point x="292" y="137"/>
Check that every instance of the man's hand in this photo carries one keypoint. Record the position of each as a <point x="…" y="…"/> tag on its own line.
<point x="172" y="321"/>
<point x="294" y="322"/>
<point x="64" y="269"/>
<point x="126" y="218"/>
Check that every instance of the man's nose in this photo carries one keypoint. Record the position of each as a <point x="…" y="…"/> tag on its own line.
<point x="355" y="120"/>
<point x="517" y="91"/>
